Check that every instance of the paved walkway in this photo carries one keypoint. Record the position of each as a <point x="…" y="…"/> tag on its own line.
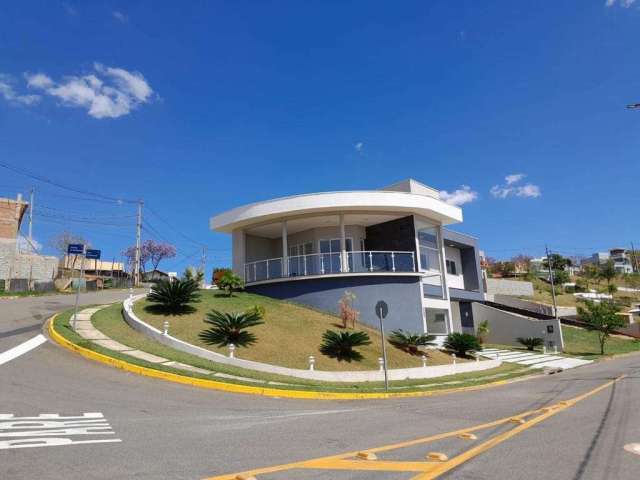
<point x="86" y="330"/>
<point x="535" y="360"/>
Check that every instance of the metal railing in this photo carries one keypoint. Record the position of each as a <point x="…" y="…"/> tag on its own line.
<point x="330" y="264"/>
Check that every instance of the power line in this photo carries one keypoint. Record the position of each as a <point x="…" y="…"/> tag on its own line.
<point x="26" y="173"/>
<point x="175" y="230"/>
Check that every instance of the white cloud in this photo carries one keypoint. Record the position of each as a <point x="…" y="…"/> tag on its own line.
<point x="359" y="146"/>
<point x="8" y="92"/>
<point x="511" y="188"/>
<point x="121" y="17"/>
<point x="107" y="93"/>
<point x="459" y="197"/>
<point x="622" y="3"/>
<point x="528" y="191"/>
<point x="514" y="178"/>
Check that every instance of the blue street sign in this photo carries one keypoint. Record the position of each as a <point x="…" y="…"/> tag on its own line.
<point x="95" y="254"/>
<point x="75" y="249"/>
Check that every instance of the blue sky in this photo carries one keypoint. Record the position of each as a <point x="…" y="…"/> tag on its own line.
<point x="198" y="107"/>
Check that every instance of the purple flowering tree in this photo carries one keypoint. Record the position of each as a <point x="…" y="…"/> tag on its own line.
<point x="150" y="251"/>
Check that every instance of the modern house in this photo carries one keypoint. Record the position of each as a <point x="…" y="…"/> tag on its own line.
<point x="389" y="244"/>
<point x="621" y="258"/>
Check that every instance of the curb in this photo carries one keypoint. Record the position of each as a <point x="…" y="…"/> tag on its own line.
<point x="247" y="389"/>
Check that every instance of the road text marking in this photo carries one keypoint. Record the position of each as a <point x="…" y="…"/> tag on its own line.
<point x="21" y="349"/>
<point x="52" y="430"/>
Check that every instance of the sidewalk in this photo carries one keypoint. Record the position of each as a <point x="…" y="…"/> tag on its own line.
<point x="86" y="330"/>
<point x="537" y="360"/>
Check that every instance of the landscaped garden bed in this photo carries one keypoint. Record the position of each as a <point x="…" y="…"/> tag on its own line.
<point x="289" y="335"/>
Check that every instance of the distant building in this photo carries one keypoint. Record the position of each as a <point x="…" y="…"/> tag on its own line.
<point x="93" y="267"/>
<point x="620" y="257"/>
<point x="20" y="263"/>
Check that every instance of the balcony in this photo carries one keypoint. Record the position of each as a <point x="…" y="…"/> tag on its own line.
<point x="337" y="263"/>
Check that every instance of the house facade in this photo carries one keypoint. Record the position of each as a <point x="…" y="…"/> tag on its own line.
<point x="622" y="259"/>
<point x="389" y="244"/>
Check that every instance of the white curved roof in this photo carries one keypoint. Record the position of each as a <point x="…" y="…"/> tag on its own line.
<point x="318" y="203"/>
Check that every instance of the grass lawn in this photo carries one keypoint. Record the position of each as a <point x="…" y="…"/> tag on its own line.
<point x="289" y="335"/>
<point x="109" y="320"/>
<point x="584" y="343"/>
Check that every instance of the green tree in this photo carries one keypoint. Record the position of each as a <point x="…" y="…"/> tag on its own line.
<point x="230" y="328"/>
<point x="557" y="261"/>
<point x="589" y="274"/>
<point x="608" y="272"/>
<point x="560" y="277"/>
<point x="602" y="318"/>
<point x="229" y="282"/>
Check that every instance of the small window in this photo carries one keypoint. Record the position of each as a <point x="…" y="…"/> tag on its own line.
<point x="451" y="267"/>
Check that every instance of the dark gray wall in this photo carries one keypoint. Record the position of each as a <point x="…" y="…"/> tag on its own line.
<point x="398" y="235"/>
<point x="402" y="294"/>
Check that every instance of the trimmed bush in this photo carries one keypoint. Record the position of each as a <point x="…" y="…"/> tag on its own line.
<point x="462" y="343"/>
<point x="173" y="296"/>
<point x="530" y="342"/>
<point x="340" y="345"/>
<point x="230" y="328"/>
<point x="410" y="342"/>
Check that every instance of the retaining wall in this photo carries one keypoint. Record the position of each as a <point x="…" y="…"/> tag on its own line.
<point x="325" y="376"/>
<point x="505" y="327"/>
<point x="516" y="288"/>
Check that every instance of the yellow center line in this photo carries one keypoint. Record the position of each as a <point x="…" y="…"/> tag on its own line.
<point x="428" y="470"/>
<point x="498" y="439"/>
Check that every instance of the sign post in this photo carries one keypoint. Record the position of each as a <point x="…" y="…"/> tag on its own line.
<point x="76" y="249"/>
<point x="382" y="309"/>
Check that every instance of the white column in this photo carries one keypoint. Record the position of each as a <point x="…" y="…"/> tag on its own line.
<point x="239" y="253"/>
<point x="344" y="263"/>
<point x="285" y="250"/>
<point x="443" y="273"/>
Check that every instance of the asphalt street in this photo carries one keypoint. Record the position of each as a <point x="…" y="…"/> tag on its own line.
<point x="162" y="430"/>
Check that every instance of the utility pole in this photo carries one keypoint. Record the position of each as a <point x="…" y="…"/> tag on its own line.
<point x="553" y="289"/>
<point x="31" y="217"/>
<point x="203" y="262"/>
<point x="136" y="265"/>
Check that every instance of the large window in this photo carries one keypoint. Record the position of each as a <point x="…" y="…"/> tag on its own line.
<point x="437" y="321"/>
<point x="429" y="251"/>
<point x="451" y="267"/>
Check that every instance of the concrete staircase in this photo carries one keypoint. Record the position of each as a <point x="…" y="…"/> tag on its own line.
<point x="533" y="359"/>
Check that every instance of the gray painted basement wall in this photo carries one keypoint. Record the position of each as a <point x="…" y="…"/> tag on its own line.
<point x="402" y="294"/>
<point x="505" y="327"/>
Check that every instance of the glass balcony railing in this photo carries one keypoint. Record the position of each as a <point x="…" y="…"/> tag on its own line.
<point x="330" y="264"/>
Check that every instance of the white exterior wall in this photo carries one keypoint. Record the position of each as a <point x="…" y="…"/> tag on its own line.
<point x="454" y="281"/>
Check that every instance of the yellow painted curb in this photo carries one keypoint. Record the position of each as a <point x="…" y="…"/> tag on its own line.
<point x="252" y="390"/>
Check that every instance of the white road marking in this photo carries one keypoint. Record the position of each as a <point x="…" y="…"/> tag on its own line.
<point x="54" y="427"/>
<point x="21" y="349"/>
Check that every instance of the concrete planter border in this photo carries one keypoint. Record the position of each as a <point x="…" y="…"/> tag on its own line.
<point x="326" y="376"/>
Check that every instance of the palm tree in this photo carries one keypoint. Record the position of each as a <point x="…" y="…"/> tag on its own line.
<point x="410" y="342"/>
<point x="173" y="296"/>
<point x="340" y="345"/>
<point x="530" y="342"/>
<point x="230" y="328"/>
